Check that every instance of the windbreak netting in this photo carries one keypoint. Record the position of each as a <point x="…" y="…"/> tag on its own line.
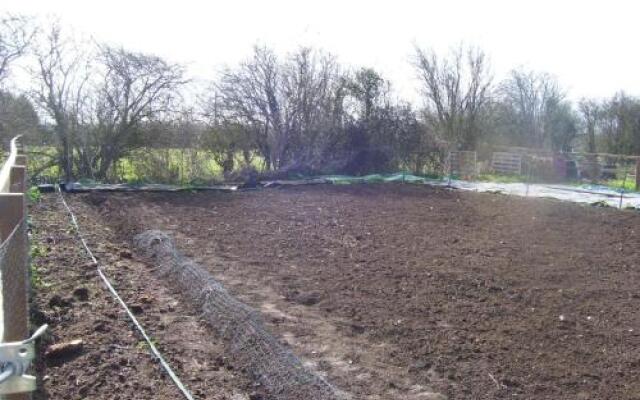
<point x="251" y="347"/>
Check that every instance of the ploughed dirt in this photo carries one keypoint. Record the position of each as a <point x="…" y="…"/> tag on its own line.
<point x="411" y="292"/>
<point x="113" y="362"/>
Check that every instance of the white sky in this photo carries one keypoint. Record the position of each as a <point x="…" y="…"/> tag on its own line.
<point x="590" y="46"/>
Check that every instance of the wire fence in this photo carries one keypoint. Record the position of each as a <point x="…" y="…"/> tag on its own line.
<point x="14" y="273"/>
<point x="527" y="165"/>
<point x="14" y="281"/>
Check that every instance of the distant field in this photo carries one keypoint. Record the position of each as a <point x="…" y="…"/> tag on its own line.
<point x="170" y="165"/>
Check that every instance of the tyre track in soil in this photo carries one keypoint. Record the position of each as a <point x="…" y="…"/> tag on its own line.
<point x="115" y="362"/>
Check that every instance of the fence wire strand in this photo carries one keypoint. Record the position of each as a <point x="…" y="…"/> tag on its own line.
<point x="154" y="350"/>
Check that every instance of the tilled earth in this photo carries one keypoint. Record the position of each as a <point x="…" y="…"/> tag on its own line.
<point x="400" y="291"/>
<point x="113" y="361"/>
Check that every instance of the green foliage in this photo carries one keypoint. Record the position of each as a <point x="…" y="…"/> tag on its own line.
<point x="34" y="195"/>
<point x="628" y="184"/>
<point x="227" y="142"/>
<point x="43" y="163"/>
<point x="174" y="165"/>
<point x="150" y="165"/>
<point x="71" y="229"/>
<point x="143" y="345"/>
<point x="37" y="251"/>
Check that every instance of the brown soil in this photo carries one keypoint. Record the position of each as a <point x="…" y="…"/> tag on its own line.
<point x="114" y="362"/>
<point x="411" y="292"/>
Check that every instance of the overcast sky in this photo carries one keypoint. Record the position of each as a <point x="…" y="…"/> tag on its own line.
<point x="590" y="46"/>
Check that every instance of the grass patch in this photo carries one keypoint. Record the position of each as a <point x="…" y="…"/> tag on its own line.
<point x="36" y="252"/>
<point x="143" y="345"/>
<point x="34" y="195"/>
<point x="147" y="165"/>
<point x="628" y="184"/>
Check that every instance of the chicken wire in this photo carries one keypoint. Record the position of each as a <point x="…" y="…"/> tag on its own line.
<point x="252" y="348"/>
<point x="14" y="283"/>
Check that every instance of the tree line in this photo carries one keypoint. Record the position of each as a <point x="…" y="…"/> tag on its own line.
<point x="303" y="112"/>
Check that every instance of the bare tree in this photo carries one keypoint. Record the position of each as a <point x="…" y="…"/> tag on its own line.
<point x="17" y="116"/>
<point x="60" y="82"/>
<point x="591" y="112"/>
<point x="531" y="98"/>
<point x="288" y="105"/>
<point x="16" y="34"/>
<point x="307" y="115"/>
<point x="248" y="96"/>
<point x="310" y="82"/>
<point x="620" y="124"/>
<point x="98" y="98"/>
<point x="369" y="89"/>
<point x="560" y="125"/>
<point x="456" y="89"/>
<point x="136" y="88"/>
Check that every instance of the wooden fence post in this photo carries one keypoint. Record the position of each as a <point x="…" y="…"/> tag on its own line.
<point x="18" y="179"/>
<point x="15" y="274"/>
<point x="21" y="160"/>
<point x="11" y="209"/>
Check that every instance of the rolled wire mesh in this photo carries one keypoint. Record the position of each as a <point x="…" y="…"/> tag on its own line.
<point x="250" y="345"/>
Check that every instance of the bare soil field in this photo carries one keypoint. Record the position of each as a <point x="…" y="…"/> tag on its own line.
<point x="399" y="291"/>
<point x="114" y="362"/>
